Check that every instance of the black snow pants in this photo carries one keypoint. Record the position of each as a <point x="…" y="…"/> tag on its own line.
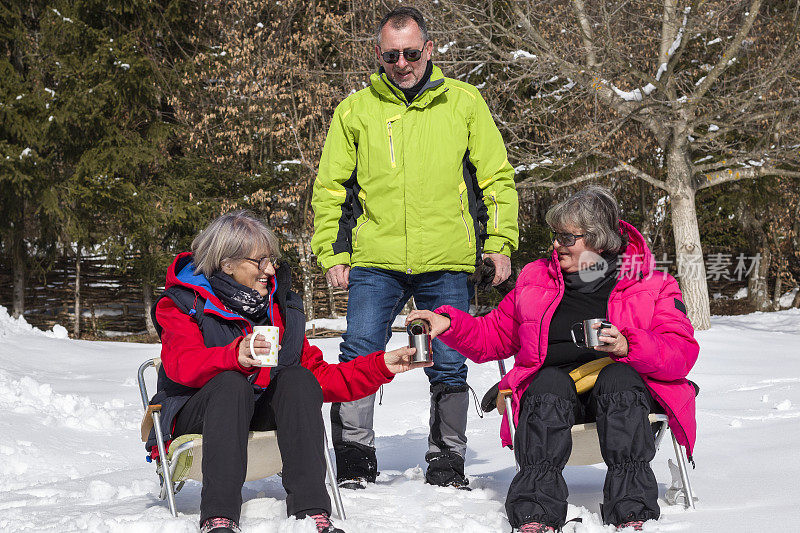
<point x="620" y="404"/>
<point x="226" y="408"/>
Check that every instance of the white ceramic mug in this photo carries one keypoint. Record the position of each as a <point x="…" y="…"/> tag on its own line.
<point x="270" y="333"/>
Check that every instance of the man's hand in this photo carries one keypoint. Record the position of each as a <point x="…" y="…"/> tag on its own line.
<point x="616" y="343"/>
<point x="439" y="323"/>
<point x="398" y="361"/>
<point x="338" y="276"/>
<point x="502" y="267"/>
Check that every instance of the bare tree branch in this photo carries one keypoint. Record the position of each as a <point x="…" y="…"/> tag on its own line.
<point x="554" y="185"/>
<point x="587" y="34"/>
<point x="728" y="56"/>
<point x="646" y="177"/>
<point x="725" y="176"/>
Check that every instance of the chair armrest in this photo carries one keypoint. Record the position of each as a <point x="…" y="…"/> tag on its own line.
<point x="147" y="420"/>
<point x="502" y="394"/>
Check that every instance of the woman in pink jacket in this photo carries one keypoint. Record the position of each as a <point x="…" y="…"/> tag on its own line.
<point x="600" y="268"/>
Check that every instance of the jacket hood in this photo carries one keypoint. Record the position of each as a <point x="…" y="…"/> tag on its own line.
<point x="636" y="259"/>
<point x="182" y="274"/>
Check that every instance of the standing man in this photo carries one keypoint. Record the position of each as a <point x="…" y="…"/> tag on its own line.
<point x="414" y="185"/>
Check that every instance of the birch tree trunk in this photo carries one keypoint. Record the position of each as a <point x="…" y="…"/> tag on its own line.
<point x="76" y="324"/>
<point x="331" y="301"/>
<point x="777" y="292"/>
<point x="304" y="250"/>
<point x="147" y="300"/>
<point x="689" y="251"/>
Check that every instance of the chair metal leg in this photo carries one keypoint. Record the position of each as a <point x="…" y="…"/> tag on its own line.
<point x="509" y="414"/>
<point x="687" y="487"/>
<point x="166" y="471"/>
<point x="659" y="436"/>
<point x="337" y="496"/>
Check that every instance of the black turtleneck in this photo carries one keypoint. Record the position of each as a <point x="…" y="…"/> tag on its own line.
<point x="412" y="92"/>
<point x="583" y="299"/>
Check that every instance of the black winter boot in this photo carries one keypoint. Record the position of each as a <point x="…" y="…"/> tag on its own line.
<point x="446" y="469"/>
<point x="356" y="465"/>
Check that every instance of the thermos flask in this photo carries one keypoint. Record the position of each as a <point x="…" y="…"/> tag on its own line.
<point x="419" y="337"/>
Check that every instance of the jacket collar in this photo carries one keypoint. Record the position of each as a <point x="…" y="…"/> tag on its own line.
<point x="380" y="83"/>
<point x="182" y="274"/>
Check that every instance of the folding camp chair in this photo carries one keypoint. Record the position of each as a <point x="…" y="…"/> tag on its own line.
<point x="184" y="458"/>
<point x="586" y="445"/>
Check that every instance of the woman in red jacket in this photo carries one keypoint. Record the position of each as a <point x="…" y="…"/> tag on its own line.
<point x="600" y="268"/>
<point x="209" y="383"/>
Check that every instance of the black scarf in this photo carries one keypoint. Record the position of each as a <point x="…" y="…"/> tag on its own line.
<point x="580" y="282"/>
<point x="240" y="299"/>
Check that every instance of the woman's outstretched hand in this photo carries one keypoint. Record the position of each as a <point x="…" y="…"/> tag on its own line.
<point x="439" y="323"/>
<point x="398" y="361"/>
<point x="616" y="343"/>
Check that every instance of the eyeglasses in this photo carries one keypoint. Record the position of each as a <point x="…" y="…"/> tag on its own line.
<point x="393" y="56"/>
<point x="565" y="239"/>
<point x="264" y="261"/>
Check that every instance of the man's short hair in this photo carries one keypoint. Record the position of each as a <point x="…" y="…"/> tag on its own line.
<point x="399" y="17"/>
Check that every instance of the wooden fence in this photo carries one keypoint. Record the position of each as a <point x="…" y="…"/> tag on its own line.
<point x="111" y="301"/>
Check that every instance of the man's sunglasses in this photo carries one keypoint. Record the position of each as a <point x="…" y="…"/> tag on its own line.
<point x="264" y="262"/>
<point x="565" y="239"/>
<point x="393" y="56"/>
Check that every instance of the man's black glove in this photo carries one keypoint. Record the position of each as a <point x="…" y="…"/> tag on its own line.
<point x="483" y="275"/>
<point x="489" y="401"/>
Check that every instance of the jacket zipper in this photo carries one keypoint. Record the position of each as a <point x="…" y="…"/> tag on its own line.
<point x="461" y="188"/>
<point x="362" y="196"/>
<point x="391" y="139"/>
<point x="496" y="210"/>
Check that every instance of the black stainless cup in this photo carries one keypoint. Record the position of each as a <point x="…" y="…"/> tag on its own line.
<point x="419" y="337"/>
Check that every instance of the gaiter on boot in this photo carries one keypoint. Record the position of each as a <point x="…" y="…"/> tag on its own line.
<point x="447" y="442"/>
<point x="626" y="439"/>
<point x="543" y="443"/>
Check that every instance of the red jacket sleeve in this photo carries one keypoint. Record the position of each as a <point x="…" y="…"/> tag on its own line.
<point x="667" y="350"/>
<point x="345" y="382"/>
<point x="185" y="357"/>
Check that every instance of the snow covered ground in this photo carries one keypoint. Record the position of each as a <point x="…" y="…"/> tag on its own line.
<point x="71" y="459"/>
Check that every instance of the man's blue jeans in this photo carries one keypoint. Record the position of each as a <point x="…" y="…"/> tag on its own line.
<point x="376" y="297"/>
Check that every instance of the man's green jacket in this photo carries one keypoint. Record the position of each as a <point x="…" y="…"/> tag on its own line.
<point x="416" y="187"/>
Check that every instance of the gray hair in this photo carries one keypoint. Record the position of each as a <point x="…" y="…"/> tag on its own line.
<point x="595" y="211"/>
<point x="231" y="237"/>
<point x="399" y="17"/>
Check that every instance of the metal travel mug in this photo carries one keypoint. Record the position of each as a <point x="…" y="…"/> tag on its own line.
<point x="589" y="337"/>
<point x="419" y="337"/>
